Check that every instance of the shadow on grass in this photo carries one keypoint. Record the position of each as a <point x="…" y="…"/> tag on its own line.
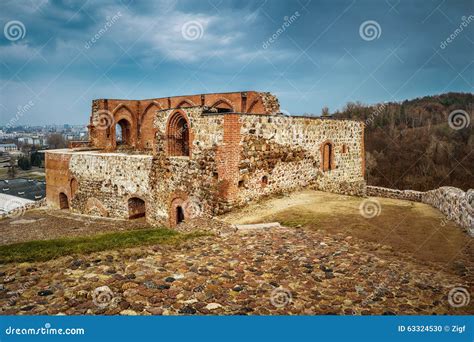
<point x="51" y="249"/>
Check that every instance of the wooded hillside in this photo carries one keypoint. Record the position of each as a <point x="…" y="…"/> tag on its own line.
<point x="417" y="144"/>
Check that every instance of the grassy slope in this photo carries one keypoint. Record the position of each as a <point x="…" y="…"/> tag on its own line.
<point x="51" y="249"/>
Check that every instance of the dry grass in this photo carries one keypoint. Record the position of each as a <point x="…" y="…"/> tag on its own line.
<point x="407" y="227"/>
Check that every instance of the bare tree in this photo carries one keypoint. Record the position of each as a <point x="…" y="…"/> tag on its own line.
<point x="325" y="111"/>
<point x="56" y="140"/>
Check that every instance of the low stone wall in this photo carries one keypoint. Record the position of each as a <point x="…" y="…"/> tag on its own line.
<point x="457" y="205"/>
<point x="409" y="195"/>
<point x="17" y="212"/>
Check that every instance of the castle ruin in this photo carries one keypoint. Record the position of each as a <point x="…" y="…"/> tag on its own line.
<point x="175" y="158"/>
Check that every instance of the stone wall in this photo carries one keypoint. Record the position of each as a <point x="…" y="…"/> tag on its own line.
<point x="19" y="210"/>
<point x="283" y="153"/>
<point x="457" y="205"/>
<point x="106" y="181"/>
<point x="409" y="195"/>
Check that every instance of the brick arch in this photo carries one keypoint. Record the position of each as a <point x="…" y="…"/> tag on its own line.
<point x="63" y="200"/>
<point x="123" y="112"/>
<point x="252" y="106"/>
<point x="177" y="200"/>
<point x="178" y="134"/>
<point x="136" y="206"/>
<point x="147" y="129"/>
<point x="327" y="150"/>
<point x="223" y="103"/>
<point x="186" y="102"/>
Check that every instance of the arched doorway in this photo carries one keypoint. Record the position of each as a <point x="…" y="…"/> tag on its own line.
<point x="178" y="135"/>
<point x="63" y="201"/>
<point x="179" y="214"/>
<point x="123" y="132"/>
<point x="136" y="208"/>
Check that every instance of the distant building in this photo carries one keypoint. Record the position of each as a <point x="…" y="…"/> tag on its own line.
<point x="8" y="148"/>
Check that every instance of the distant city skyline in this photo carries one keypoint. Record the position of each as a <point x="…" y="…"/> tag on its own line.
<point x="58" y="56"/>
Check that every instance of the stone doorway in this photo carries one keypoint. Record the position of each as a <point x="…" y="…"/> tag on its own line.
<point x="179" y="214"/>
<point x="63" y="201"/>
<point x="136" y="208"/>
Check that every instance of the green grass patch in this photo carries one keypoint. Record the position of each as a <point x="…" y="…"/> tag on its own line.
<point x="50" y="249"/>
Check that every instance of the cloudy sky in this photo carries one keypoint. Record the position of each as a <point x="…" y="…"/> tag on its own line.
<point x="59" y="55"/>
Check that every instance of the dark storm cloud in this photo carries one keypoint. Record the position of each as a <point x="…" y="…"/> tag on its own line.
<point x="309" y="53"/>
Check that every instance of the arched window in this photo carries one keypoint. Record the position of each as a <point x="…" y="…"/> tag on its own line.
<point x="123" y="132"/>
<point x="327" y="156"/>
<point x="178" y="135"/>
<point x="136" y="208"/>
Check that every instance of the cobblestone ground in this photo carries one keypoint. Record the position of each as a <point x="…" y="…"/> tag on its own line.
<point x="278" y="271"/>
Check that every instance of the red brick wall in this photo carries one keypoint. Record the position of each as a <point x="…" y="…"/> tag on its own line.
<point x="140" y="114"/>
<point x="228" y="155"/>
<point x="57" y="177"/>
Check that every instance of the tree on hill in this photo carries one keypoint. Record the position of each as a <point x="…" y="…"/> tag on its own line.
<point x="411" y="144"/>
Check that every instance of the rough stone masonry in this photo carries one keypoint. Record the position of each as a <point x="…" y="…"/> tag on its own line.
<point x="175" y="158"/>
